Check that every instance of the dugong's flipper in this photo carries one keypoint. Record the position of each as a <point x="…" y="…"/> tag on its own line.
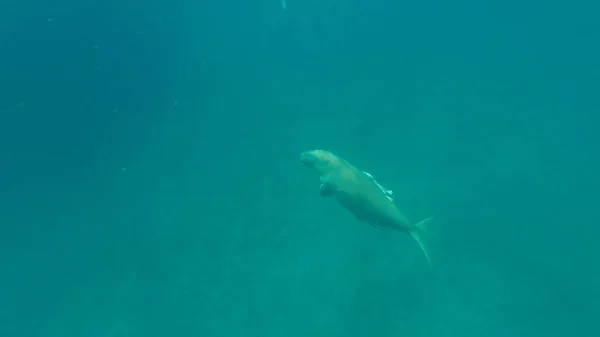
<point x="326" y="189"/>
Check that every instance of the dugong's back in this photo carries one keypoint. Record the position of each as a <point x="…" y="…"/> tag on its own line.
<point x="361" y="196"/>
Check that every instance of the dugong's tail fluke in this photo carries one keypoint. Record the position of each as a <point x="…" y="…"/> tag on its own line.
<point x="420" y="233"/>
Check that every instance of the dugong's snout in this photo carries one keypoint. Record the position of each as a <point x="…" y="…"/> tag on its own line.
<point x="308" y="158"/>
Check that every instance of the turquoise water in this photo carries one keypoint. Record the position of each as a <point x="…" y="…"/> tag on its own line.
<point x="150" y="183"/>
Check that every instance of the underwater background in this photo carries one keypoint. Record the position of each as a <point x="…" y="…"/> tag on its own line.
<point x="150" y="182"/>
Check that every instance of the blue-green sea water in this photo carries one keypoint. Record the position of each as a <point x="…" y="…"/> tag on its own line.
<point x="150" y="182"/>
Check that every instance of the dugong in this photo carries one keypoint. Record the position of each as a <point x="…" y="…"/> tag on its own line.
<point x="360" y="194"/>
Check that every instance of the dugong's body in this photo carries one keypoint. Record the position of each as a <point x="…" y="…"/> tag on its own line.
<point x="360" y="194"/>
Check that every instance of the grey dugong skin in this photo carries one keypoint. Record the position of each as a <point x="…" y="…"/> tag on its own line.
<point x="360" y="194"/>
<point x="355" y="190"/>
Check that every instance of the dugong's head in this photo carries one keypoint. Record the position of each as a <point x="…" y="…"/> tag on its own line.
<point x="320" y="160"/>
